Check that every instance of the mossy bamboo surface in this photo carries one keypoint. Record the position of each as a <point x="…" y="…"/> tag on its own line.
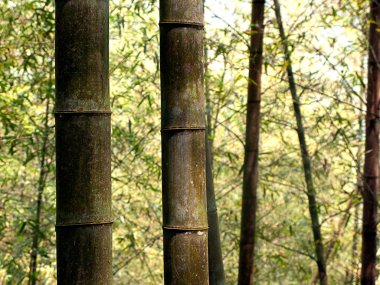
<point x="183" y="143"/>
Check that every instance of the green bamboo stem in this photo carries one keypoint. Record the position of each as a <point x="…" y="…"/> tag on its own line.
<point x="311" y="193"/>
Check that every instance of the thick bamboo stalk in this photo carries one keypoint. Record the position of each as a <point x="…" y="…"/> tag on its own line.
<point x="183" y="143"/>
<point x="311" y="193"/>
<point x="251" y="156"/>
<point x="82" y="110"/>
<point x="371" y="159"/>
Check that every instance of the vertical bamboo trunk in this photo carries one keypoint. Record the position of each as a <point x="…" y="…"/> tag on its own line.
<point x="216" y="269"/>
<point x="336" y="235"/>
<point x="40" y="189"/>
<point x="83" y="129"/>
<point x="371" y="160"/>
<point x="251" y="156"/>
<point x="183" y="143"/>
<point x="311" y="193"/>
<point x="215" y="258"/>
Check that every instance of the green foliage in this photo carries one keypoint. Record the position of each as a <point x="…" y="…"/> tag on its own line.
<point x="328" y="45"/>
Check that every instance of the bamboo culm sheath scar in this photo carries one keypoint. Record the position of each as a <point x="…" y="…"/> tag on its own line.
<point x="183" y="143"/>
<point x="83" y="147"/>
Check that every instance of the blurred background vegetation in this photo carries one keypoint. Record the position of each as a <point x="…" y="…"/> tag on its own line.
<point x="329" y="53"/>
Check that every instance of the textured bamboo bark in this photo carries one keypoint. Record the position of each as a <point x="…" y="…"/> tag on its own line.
<point x="83" y="130"/>
<point x="251" y="157"/>
<point x="371" y="159"/>
<point x="215" y="258"/>
<point x="183" y="143"/>
<point x="311" y="193"/>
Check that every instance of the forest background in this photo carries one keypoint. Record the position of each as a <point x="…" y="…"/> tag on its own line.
<point x="329" y="57"/>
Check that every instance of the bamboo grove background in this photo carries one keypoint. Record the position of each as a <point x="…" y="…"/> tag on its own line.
<point x="328" y="46"/>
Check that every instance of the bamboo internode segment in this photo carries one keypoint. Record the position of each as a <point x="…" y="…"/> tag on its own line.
<point x="181" y="11"/>
<point x="183" y="142"/>
<point x="184" y="200"/>
<point x="83" y="143"/>
<point x="83" y="169"/>
<point x="183" y="81"/>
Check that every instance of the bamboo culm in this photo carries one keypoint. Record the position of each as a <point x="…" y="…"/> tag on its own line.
<point x="83" y="144"/>
<point x="371" y="159"/>
<point x="183" y="143"/>
<point x="251" y="156"/>
<point x="311" y="193"/>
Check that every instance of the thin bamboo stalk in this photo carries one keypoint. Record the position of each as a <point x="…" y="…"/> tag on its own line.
<point x="251" y="157"/>
<point x="311" y="193"/>
<point x="371" y="159"/>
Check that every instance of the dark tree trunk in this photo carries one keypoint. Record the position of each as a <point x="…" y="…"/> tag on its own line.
<point x="251" y="157"/>
<point x="183" y="143"/>
<point x="371" y="159"/>
<point x="83" y="144"/>
<point x="311" y="193"/>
